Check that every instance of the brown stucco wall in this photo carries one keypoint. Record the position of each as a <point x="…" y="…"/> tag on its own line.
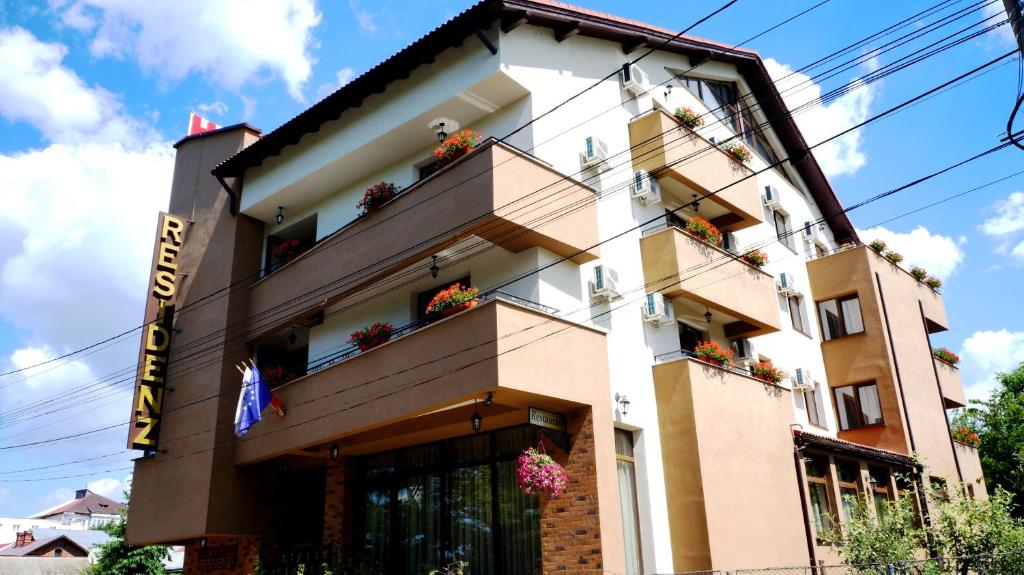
<point x="952" y="386"/>
<point x="873" y="355"/>
<point x="173" y="491"/>
<point x="970" y="465"/>
<point x="659" y="140"/>
<point x="489" y="193"/>
<point x="669" y="258"/>
<point x="726" y="443"/>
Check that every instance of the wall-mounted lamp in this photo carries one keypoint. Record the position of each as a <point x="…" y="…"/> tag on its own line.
<point x="668" y="91"/>
<point x="335" y="451"/>
<point x="695" y="204"/>
<point x="293" y="337"/>
<point x="202" y="542"/>
<point x="476" y="419"/>
<point x="280" y="215"/>
<point x="434" y="270"/>
<point x="707" y="315"/>
<point x="441" y="135"/>
<point x="623" y="402"/>
<point x="489" y="399"/>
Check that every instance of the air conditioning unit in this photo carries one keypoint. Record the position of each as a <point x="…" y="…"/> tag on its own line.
<point x="744" y="350"/>
<point x="634" y="79"/>
<point x="604" y="283"/>
<point x="658" y="309"/>
<point x="594" y="152"/>
<point x="771" y="198"/>
<point x="811" y="233"/>
<point x="802" y="379"/>
<point x="645" y="188"/>
<point x="729" y="243"/>
<point x="785" y="284"/>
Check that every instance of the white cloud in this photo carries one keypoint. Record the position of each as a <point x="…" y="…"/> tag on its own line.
<point x="842" y="156"/>
<point x="60" y="495"/>
<point x="1018" y="251"/>
<point x="232" y="42"/>
<point x="344" y="76"/>
<point x="1010" y="218"/>
<point x="1002" y="36"/>
<point x="217" y="108"/>
<point x="367" y="20"/>
<point x="107" y="487"/>
<point x="987" y="353"/>
<point x="938" y="254"/>
<point x="40" y="90"/>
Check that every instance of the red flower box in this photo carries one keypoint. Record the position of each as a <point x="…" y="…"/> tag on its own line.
<point x="371" y="337"/>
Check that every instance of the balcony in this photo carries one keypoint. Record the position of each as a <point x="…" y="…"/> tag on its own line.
<point x="497" y="193"/>
<point x="677" y="264"/>
<point x="708" y="417"/>
<point x="949" y="380"/>
<point x="970" y="467"/>
<point x="528" y="354"/>
<point x="686" y="163"/>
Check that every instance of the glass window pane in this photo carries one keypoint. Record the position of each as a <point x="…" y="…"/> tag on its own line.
<point x="871" y="410"/>
<point x="796" y="313"/>
<point x="630" y="517"/>
<point x="848" y="471"/>
<point x="851" y="316"/>
<point x="816" y="466"/>
<point x="846" y="405"/>
<point x="829" y="312"/>
<point x="470" y="521"/>
<point x="418" y="506"/>
<point x="377" y="525"/>
<point x="811" y="403"/>
<point x="624" y="442"/>
<point x="849" y="496"/>
<point x="819" y="508"/>
<point x="519" y="516"/>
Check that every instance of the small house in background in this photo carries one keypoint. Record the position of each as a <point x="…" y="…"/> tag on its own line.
<point x="87" y="510"/>
<point x="26" y="545"/>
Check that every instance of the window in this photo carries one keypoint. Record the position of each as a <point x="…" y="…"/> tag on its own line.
<point x="423" y="299"/>
<point x="796" y="313"/>
<point x="848" y="473"/>
<point x="689" y="337"/>
<point x="880" y="488"/>
<point x="811" y="403"/>
<point x="58" y="552"/>
<point x="816" y="468"/>
<point x="858" y="406"/>
<point x="626" y="467"/>
<point x="939" y="489"/>
<point x="673" y="220"/>
<point x="782" y="229"/>
<point x="428" y="168"/>
<point x="905" y="489"/>
<point x="840" y="317"/>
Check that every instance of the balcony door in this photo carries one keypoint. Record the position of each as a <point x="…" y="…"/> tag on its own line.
<point x="690" y="336"/>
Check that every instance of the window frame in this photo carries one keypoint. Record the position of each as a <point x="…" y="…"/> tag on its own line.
<point x="802" y="328"/>
<point x="829" y="498"/>
<point x="811" y="399"/>
<point x="785" y="237"/>
<point x="826" y="334"/>
<point x="860" y="411"/>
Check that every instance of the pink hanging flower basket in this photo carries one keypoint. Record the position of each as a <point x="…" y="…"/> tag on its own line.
<point x="539" y="473"/>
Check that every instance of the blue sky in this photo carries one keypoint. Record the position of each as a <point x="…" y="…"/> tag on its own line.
<point x="95" y="91"/>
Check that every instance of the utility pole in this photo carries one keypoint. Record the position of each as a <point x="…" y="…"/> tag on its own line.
<point x="1015" y="11"/>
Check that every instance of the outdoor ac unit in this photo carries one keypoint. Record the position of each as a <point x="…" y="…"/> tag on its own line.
<point x="604" y="283"/>
<point x="771" y="198"/>
<point x="744" y="350"/>
<point x="634" y="79"/>
<point x="811" y="233"/>
<point x="594" y="152"/>
<point x="785" y="284"/>
<point x="658" y="309"/>
<point x="645" y="188"/>
<point x="729" y="243"/>
<point x="802" y="379"/>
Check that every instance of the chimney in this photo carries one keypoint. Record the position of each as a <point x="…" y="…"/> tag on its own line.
<point x="80" y="494"/>
<point x="24" y="538"/>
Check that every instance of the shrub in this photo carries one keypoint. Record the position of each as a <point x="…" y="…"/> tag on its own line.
<point x="756" y="258"/>
<point x="877" y="245"/>
<point x="704" y="230"/>
<point x="689" y="118"/>
<point x="739" y="152"/>
<point x="713" y="353"/>
<point x="377" y="195"/>
<point x="894" y="257"/>
<point x="946" y="355"/>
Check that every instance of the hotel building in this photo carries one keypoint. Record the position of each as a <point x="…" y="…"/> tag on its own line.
<point x="569" y="220"/>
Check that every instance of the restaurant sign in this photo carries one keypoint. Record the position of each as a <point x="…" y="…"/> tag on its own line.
<point x="547" y="419"/>
<point x="147" y="406"/>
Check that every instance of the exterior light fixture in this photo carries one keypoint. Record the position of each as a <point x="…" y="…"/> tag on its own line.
<point x="623" y="402"/>
<point x="707" y="315"/>
<point x="434" y="270"/>
<point x="293" y="337"/>
<point x="476" y="419"/>
<point x="202" y="543"/>
<point x="695" y="204"/>
<point x="489" y="399"/>
<point x="335" y="451"/>
<point x="441" y="135"/>
<point x="280" y="215"/>
<point x="668" y="91"/>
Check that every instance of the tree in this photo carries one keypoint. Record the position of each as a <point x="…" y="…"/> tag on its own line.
<point x="1000" y="423"/>
<point x="979" y="535"/>
<point x="118" y="558"/>
<point x="870" y="540"/>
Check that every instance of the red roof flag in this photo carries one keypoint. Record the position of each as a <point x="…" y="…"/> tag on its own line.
<point x="198" y="124"/>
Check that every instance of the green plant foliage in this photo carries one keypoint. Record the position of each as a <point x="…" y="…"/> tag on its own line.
<point x="867" y="541"/>
<point x="980" y="535"/>
<point x="118" y="558"/>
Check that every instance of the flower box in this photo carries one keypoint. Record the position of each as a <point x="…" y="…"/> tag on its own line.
<point x="371" y="337"/>
<point x="711" y="352"/>
<point x="704" y="231"/>
<point x="877" y="245"/>
<point x="286" y="251"/>
<point x="453" y="300"/>
<point x="376" y="196"/>
<point x="919" y="273"/>
<point x="964" y="434"/>
<point x="765" y="371"/>
<point x="946" y="355"/>
<point x="894" y="257"/>
<point x="456" y="145"/>
<point x="756" y="258"/>
<point x="739" y="152"/>
<point x="537" y="472"/>
<point x="934" y="283"/>
<point x="689" y="118"/>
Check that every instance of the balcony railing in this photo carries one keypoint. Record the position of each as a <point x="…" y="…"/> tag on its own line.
<point x="687" y="354"/>
<point x="352" y="351"/>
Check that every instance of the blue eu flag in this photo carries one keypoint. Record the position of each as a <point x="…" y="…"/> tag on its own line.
<point x="254" y="398"/>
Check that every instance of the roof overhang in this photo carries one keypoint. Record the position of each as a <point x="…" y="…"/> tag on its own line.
<point x="832" y="444"/>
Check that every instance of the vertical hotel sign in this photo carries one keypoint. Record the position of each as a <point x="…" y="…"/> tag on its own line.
<point x="147" y="406"/>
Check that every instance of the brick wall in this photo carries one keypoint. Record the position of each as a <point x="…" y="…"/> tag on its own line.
<point x="335" y="531"/>
<point x="246" y="555"/>
<point x="570" y="525"/>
